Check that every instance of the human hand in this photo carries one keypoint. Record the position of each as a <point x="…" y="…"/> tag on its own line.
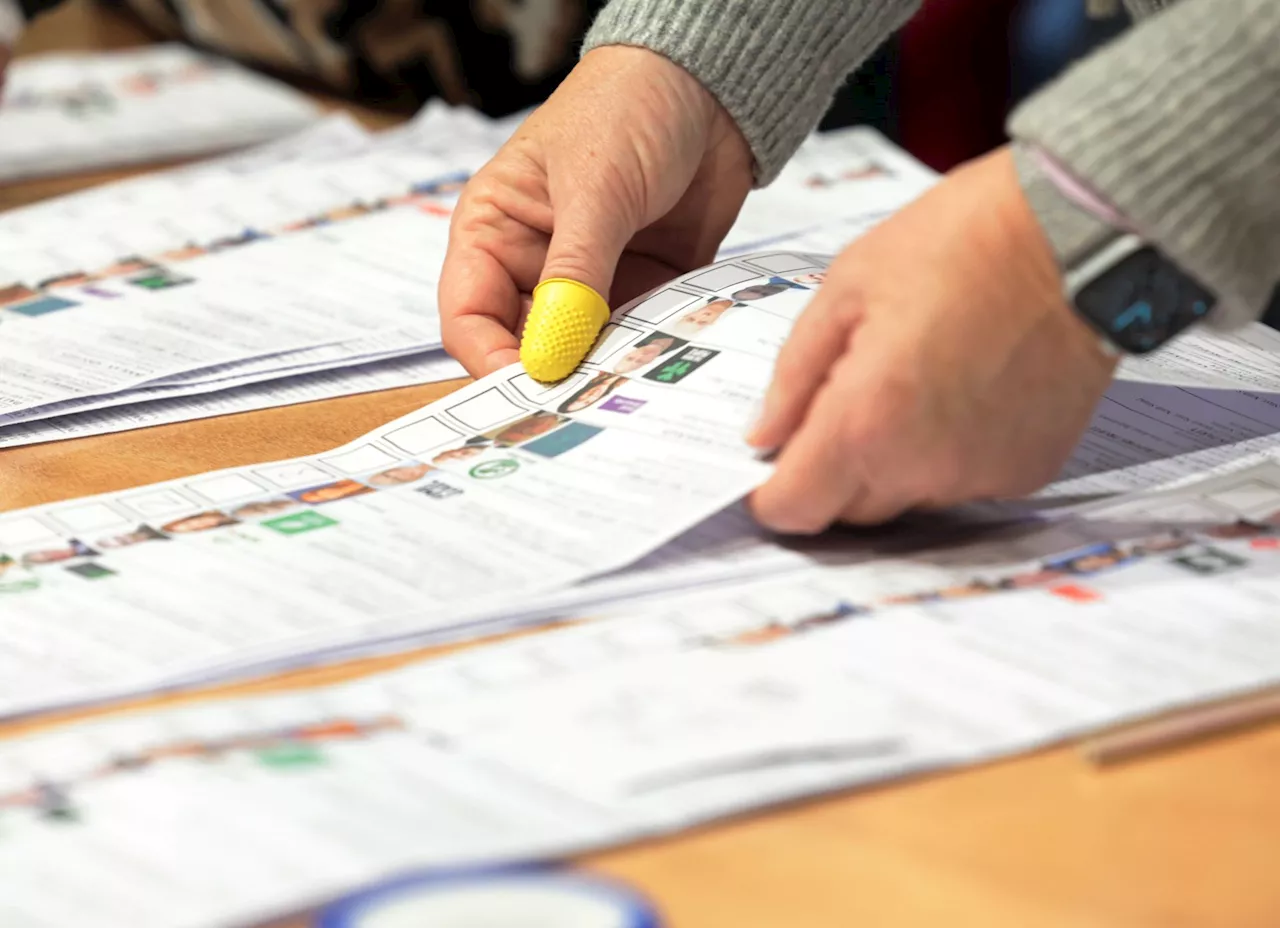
<point x="630" y="174"/>
<point x="938" y="364"/>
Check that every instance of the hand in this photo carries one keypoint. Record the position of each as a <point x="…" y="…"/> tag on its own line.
<point x="630" y="167"/>
<point x="939" y="364"/>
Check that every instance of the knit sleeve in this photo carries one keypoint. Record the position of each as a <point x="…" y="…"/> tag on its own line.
<point x="1177" y="123"/>
<point x="774" y="65"/>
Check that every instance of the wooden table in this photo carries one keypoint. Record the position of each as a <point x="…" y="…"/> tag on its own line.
<point x="1187" y="839"/>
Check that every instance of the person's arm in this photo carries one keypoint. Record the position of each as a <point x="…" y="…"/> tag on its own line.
<point x="773" y="65"/>
<point x="1176" y="125"/>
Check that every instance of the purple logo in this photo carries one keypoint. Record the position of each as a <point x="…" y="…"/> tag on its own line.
<point x="622" y="404"/>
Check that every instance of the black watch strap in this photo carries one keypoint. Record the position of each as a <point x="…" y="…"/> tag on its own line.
<point x="1125" y="289"/>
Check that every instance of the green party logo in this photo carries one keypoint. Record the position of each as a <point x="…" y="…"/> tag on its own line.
<point x="490" y="470"/>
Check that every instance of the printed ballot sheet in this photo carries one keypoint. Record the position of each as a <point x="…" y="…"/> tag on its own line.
<point x="503" y="489"/>
<point x="646" y="722"/>
<point x="69" y="112"/>
<point x="336" y="294"/>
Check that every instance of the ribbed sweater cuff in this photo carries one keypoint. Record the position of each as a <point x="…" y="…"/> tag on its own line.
<point x="1177" y="124"/>
<point x="773" y="64"/>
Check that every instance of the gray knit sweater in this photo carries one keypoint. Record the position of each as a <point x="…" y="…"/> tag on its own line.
<point x="1177" y="122"/>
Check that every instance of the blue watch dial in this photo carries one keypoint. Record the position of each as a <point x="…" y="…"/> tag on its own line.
<point x="1142" y="301"/>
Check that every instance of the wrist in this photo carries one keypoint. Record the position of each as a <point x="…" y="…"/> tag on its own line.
<point x="679" y="90"/>
<point x="1115" y="280"/>
<point x="1075" y="221"/>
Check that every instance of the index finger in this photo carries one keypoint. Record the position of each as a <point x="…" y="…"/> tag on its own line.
<point x="480" y="308"/>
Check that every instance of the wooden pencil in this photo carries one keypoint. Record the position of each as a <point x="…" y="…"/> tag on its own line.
<point x="1182" y="727"/>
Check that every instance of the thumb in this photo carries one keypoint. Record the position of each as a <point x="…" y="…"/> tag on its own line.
<point x="564" y="320"/>
<point x="587" y="239"/>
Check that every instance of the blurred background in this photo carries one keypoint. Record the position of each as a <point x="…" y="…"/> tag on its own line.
<point x="941" y="88"/>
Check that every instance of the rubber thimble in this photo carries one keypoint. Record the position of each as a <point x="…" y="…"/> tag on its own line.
<point x="564" y="320"/>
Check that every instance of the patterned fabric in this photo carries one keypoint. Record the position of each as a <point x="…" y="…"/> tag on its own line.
<point x="496" y="55"/>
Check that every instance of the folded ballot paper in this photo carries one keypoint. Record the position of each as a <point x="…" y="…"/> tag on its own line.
<point x="463" y="509"/>
<point x="66" y="112"/>
<point x="241" y="808"/>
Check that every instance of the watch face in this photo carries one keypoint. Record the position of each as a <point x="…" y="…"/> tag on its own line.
<point x="1142" y="301"/>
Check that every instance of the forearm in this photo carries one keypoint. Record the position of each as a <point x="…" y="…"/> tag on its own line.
<point x="773" y="64"/>
<point x="1177" y="124"/>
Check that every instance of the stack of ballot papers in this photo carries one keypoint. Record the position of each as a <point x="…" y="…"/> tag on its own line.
<point x="507" y="503"/>
<point x="236" y="809"/>
<point x="304" y="269"/>
<point x="724" y="670"/>
<point x="65" y="112"/>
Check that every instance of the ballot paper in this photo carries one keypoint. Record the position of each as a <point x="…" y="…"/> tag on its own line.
<point x="335" y="215"/>
<point x="69" y="112"/>
<point x="428" y="367"/>
<point x="835" y="178"/>
<point x="236" y="809"/>
<point x="149" y="326"/>
<point x="460" y="510"/>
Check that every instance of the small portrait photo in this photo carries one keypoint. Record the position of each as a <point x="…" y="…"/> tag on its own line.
<point x="646" y="351"/>
<point x="525" y="429"/>
<point x="331" y="492"/>
<point x="966" y="590"/>
<point x="868" y="170"/>
<point x="350" y="211"/>
<point x="200" y="522"/>
<point x="699" y="319"/>
<point x="71" y="548"/>
<point x="74" y="279"/>
<point x="841" y="611"/>
<point x="399" y="475"/>
<point x="130" y="265"/>
<point x="235" y="241"/>
<point x="773" y="287"/>
<point x="128" y="539"/>
<point x="185" y="253"/>
<point x="596" y="389"/>
<point x="472" y="448"/>
<point x="1031" y="579"/>
<point x="1161" y="544"/>
<point x="143" y="83"/>
<point x="1241" y="528"/>
<point x="1091" y="560"/>
<point x="264" y="508"/>
<point x="810" y="279"/>
<point x="299" y="225"/>
<point x="16" y="293"/>
<point x="442" y="186"/>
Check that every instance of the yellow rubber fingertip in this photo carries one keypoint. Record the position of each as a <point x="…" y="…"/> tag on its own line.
<point x="564" y="320"/>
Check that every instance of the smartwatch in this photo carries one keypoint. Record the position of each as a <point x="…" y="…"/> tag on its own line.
<point x="1123" y="287"/>
<point x="1135" y="297"/>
